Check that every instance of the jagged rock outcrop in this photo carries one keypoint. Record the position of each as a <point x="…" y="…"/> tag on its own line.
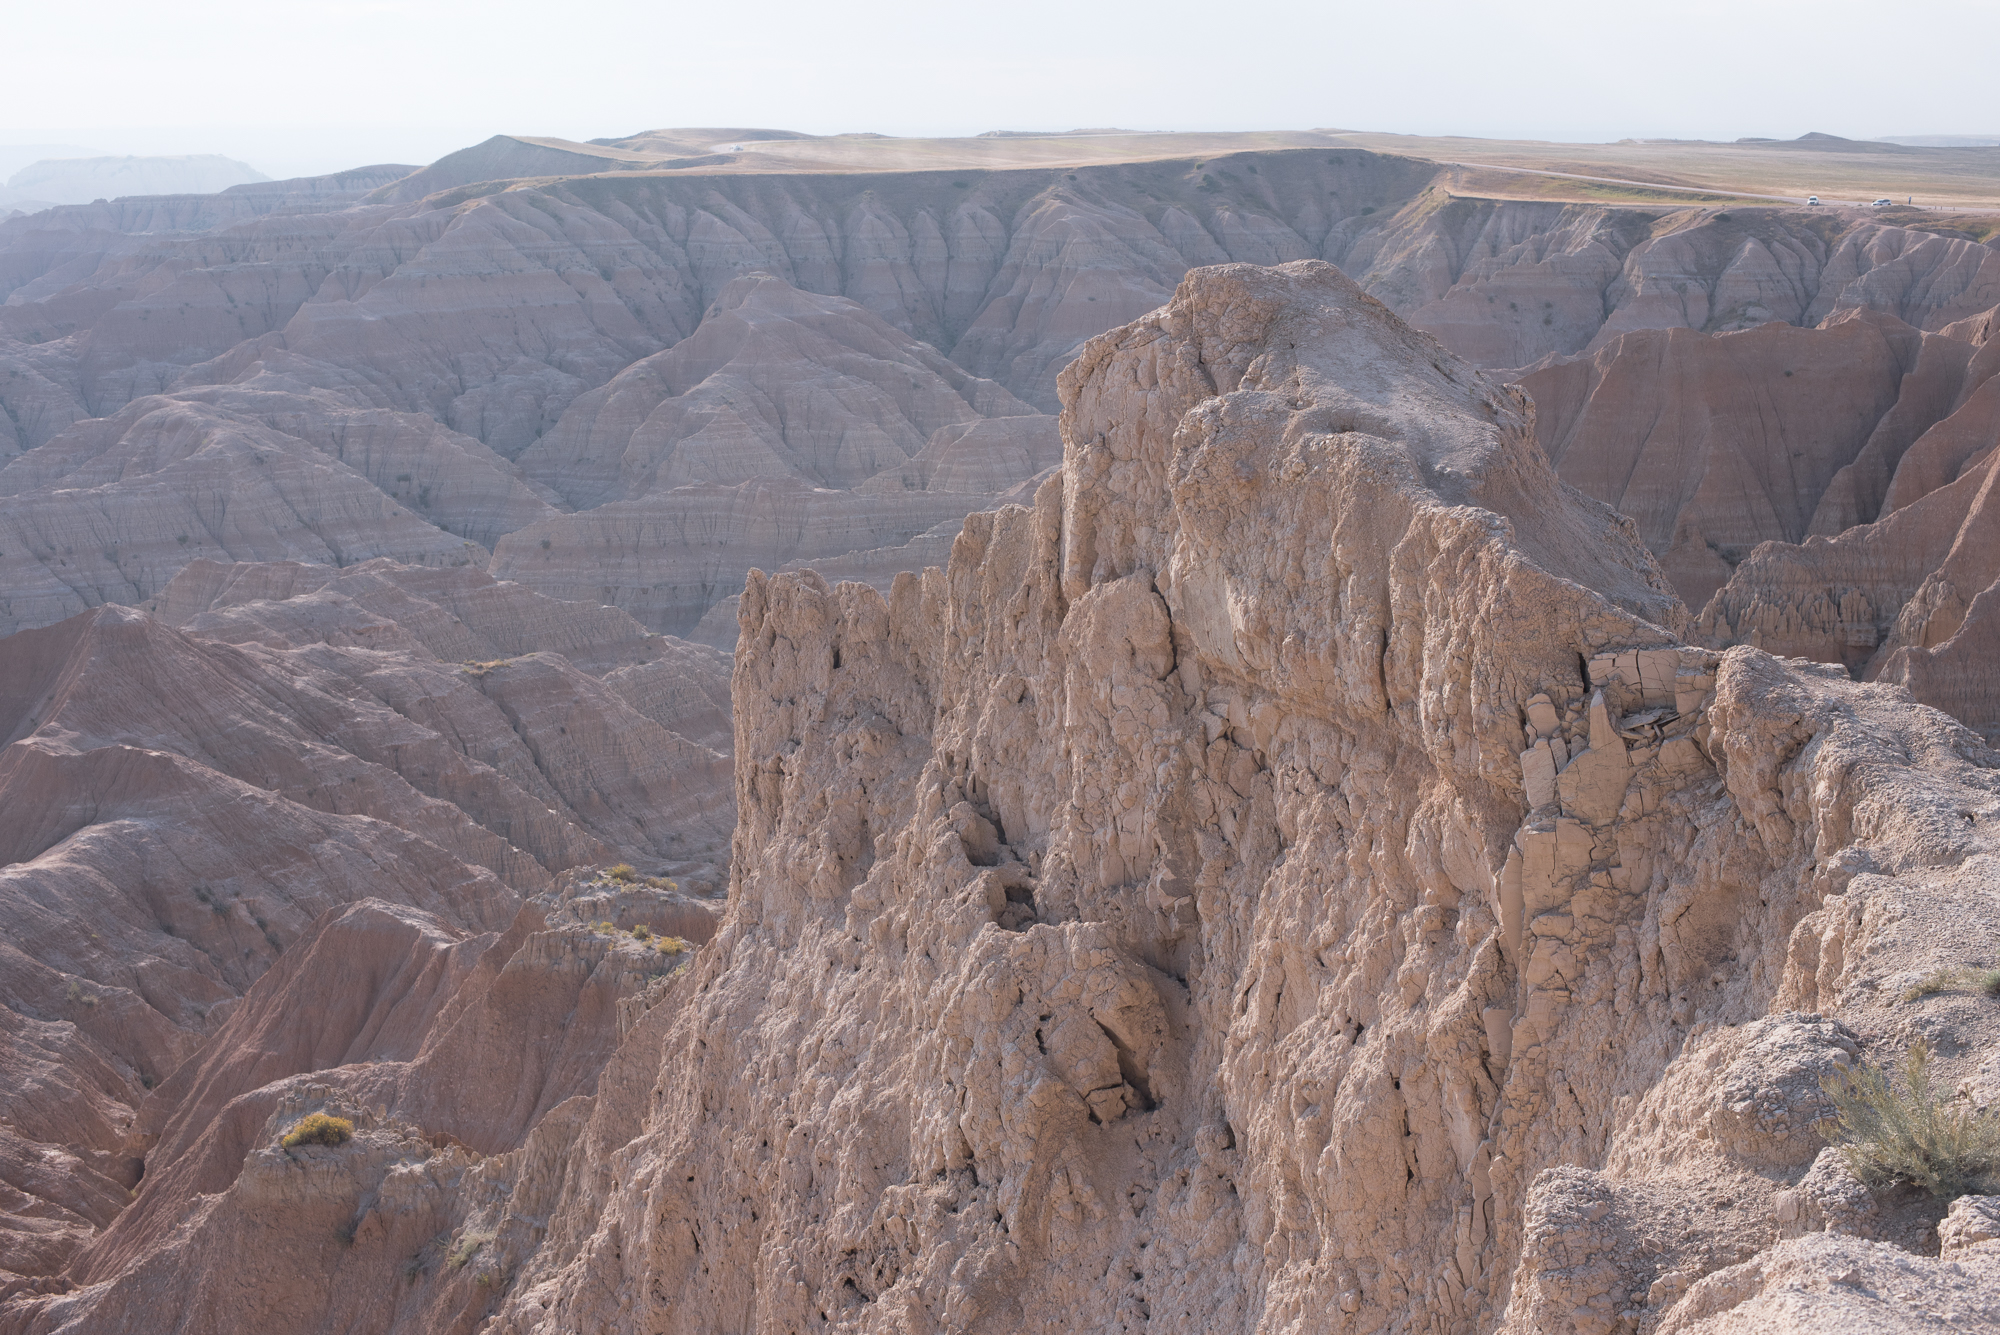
<point x="1262" y="885"/>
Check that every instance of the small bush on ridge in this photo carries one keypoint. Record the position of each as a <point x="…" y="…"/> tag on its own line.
<point x="1911" y="1134"/>
<point x="319" y="1129"/>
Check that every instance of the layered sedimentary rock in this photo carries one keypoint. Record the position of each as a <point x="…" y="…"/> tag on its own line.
<point x="541" y="318"/>
<point x="774" y="383"/>
<point x="183" y="793"/>
<point x="1715" y="444"/>
<point x="112" y="508"/>
<point x="788" y="427"/>
<point x="1290" y="877"/>
<point x="492" y="308"/>
<point x="1906" y="598"/>
<point x="1508" y="283"/>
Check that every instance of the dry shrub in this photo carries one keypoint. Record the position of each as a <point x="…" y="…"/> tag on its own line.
<point x="1911" y="1133"/>
<point x="1986" y="982"/>
<point x="622" y="872"/>
<point x="319" y="1129"/>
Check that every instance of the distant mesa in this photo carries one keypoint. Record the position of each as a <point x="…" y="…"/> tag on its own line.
<point x="81" y="180"/>
<point x="1943" y="140"/>
<point x="1061" y="134"/>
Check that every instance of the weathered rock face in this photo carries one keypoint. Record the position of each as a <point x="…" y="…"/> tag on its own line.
<point x="1223" y="893"/>
<point x="179" y="804"/>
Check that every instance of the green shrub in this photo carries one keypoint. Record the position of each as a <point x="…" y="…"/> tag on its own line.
<point x="319" y="1129"/>
<point x="1888" y="1134"/>
<point x="642" y="932"/>
<point x="671" y="945"/>
<point x="622" y="872"/>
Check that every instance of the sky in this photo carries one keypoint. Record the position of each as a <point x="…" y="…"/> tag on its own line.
<point x="305" y="86"/>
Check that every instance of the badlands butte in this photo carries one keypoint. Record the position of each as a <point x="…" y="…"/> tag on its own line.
<point x="1317" y="740"/>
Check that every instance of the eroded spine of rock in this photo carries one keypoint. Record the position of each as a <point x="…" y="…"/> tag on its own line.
<point x="1215" y="897"/>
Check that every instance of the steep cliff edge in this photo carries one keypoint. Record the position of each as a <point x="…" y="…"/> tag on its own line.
<point x="1290" y="878"/>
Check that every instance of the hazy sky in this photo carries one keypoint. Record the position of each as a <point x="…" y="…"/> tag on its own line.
<point x="311" y="85"/>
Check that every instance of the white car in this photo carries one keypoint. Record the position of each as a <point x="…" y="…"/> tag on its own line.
<point x="1812" y="200"/>
<point x="1881" y="204"/>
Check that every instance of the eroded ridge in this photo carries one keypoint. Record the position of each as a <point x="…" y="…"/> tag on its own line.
<point x="1289" y="878"/>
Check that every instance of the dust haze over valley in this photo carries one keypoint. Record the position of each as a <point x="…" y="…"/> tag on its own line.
<point x="1029" y="704"/>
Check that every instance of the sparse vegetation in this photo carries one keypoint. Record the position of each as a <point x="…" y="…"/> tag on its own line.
<point x="672" y="945"/>
<point x="467" y="1248"/>
<point x="319" y="1129"/>
<point x="622" y="873"/>
<point x="1986" y="982"/>
<point x="1912" y="1133"/>
<point x="642" y="933"/>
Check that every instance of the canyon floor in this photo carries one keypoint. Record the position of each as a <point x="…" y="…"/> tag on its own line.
<point x="1190" y="731"/>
